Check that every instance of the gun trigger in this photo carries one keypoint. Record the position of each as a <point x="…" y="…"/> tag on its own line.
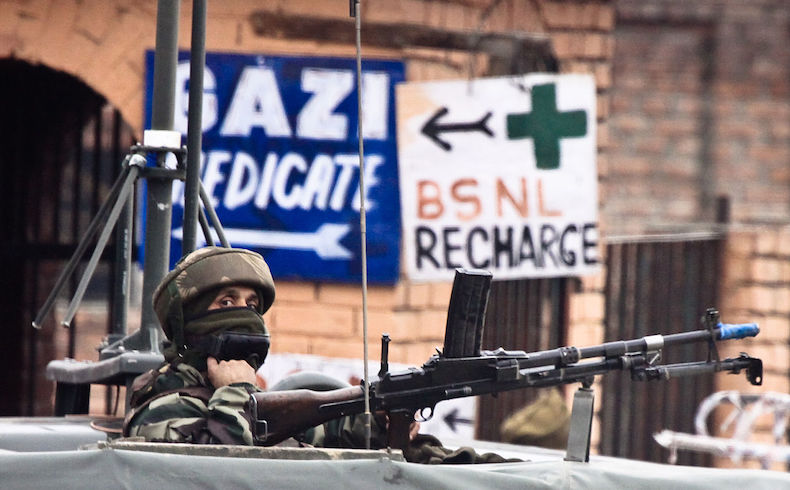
<point x="423" y="417"/>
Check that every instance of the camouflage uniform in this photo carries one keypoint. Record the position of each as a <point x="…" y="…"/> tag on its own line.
<point x="427" y="449"/>
<point x="177" y="403"/>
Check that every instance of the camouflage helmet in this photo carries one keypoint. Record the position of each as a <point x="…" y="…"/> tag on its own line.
<point x="208" y="269"/>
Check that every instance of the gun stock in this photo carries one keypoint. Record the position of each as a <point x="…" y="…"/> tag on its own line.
<point x="283" y="414"/>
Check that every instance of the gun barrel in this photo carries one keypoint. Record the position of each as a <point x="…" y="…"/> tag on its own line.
<point x="565" y="356"/>
<point x="753" y="367"/>
<point x="727" y="331"/>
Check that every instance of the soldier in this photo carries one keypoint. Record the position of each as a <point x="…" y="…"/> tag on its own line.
<point x="216" y="297"/>
<point x="193" y="397"/>
<point x="214" y="300"/>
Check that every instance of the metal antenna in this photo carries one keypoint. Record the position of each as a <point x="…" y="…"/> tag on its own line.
<point x="355" y="12"/>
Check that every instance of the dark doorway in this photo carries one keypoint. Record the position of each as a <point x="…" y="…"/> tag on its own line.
<point x="657" y="286"/>
<point x="61" y="147"/>
<point x="524" y="314"/>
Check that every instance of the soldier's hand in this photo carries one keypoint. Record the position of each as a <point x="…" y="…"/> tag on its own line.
<point x="223" y="373"/>
<point x="414" y="429"/>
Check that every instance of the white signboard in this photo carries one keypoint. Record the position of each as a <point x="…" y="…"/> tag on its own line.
<point x="499" y="174"/>
<point x="452" y="418"/>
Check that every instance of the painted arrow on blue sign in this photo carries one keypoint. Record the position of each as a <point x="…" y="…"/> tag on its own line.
<point x="325" y="241"/>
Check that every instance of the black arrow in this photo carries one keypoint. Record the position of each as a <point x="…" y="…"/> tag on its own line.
<point x="432" y="128"/>
<point x="452" y="418"/>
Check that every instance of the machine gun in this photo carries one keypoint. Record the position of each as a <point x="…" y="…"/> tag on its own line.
<point x="462" y="369"/>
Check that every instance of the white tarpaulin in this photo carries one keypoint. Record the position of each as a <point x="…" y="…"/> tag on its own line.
<point x="499" y="174"/>
<point x="112" y="468"/>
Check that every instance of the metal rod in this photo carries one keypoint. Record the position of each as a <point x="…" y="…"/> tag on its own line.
<point x="123" y="266"/>
<point x="82" y="246"/>
<point x="197" y="63"/>
<point x="119" y="206"/>
<point x="119" y="309"/>
<point x="213" y="217"/>
<point x="204" y="226"/>
<point x="362" y="224"/>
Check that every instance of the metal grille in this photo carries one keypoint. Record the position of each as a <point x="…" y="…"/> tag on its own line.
<point x="661" y="286"/>
<point x="527" y="315"/>
<point x="61" y="147"/>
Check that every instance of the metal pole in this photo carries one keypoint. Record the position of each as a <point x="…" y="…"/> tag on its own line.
<point x="362" y="224"/>
<point x="120" y="205"/>
<point x="82" y="247"/>
<point x="197" y="63"/>
<point x="122" y="269"/>
<point x="212" y="215"/>
<point x="159" y="195"/>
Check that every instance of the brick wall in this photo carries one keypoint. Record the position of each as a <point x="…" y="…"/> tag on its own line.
<point x="757" y="289"/>
<point x="103" y="43"/>
<point x="414" y="314"/>
<point x="699" y="112"/>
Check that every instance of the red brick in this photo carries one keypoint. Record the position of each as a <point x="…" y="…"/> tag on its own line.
<point x="337" y="321"/>
<point x="454" y="17"/>
<point x="340" y="348"/>
<point x="766" y="270"/>
<point x="741" y="243"/>
<point x="440" y="293"/>
<point x="292" y="344"/>
<point x="431" y="325"/>
<point x="418" y="295"/>
<point x="413" y="354"/>
<point x="605" y="19"/>
<point x="598" y="46"/>
<point x="351" y="295"/>
<point x="586" y="307"/>
<point x="568" y="44"/>
<point x="558" y="14"/>
<point x="302" y="292"/>
<point x="401" y="326"/>
<point x="603" y="135"/>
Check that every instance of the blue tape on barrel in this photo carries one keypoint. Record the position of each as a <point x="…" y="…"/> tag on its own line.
<point x="727" y="331"/>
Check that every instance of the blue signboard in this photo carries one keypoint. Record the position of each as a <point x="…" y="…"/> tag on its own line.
<point x="280" y="161"/>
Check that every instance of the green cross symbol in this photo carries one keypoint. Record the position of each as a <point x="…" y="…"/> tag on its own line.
<point x="546" y="126"/>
